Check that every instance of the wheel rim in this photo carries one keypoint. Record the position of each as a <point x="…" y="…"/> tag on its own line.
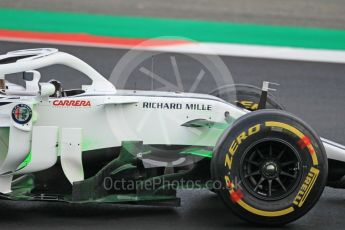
<point x="270" y="169"/>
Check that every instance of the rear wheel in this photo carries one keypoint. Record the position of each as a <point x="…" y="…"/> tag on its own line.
<point x="245" y="96"/>
<point x="272" y="166"/>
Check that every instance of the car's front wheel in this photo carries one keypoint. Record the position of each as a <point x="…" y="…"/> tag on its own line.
<point x="272" y="166"/>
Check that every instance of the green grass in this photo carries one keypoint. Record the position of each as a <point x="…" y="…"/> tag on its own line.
<point x="145" y="27"/>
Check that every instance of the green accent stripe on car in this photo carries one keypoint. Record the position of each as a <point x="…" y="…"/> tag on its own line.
<point x="198" y="152"/>
<point x="25" y="162"/>
<point x="145" y="27"/>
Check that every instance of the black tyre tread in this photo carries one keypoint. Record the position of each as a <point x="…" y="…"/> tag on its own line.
<point x="277" y="115"/>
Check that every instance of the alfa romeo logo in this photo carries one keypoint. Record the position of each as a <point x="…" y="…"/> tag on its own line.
<point x="21" y="114"/>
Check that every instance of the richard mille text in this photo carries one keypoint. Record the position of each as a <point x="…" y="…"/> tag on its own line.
<point x="188" y="106"/>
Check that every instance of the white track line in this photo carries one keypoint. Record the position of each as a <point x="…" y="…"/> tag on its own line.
<point x="255" y="51"/>
<point x="223" y="49"/>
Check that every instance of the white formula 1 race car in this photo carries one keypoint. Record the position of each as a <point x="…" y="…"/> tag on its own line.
<point x="85" y="145"/>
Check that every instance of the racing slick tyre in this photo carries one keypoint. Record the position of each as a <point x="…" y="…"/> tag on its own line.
<point x="245" y="96"/>
<point x="272" y="167"/>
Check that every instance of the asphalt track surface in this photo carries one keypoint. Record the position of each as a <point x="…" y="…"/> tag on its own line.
<point x="313" y="91"/>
